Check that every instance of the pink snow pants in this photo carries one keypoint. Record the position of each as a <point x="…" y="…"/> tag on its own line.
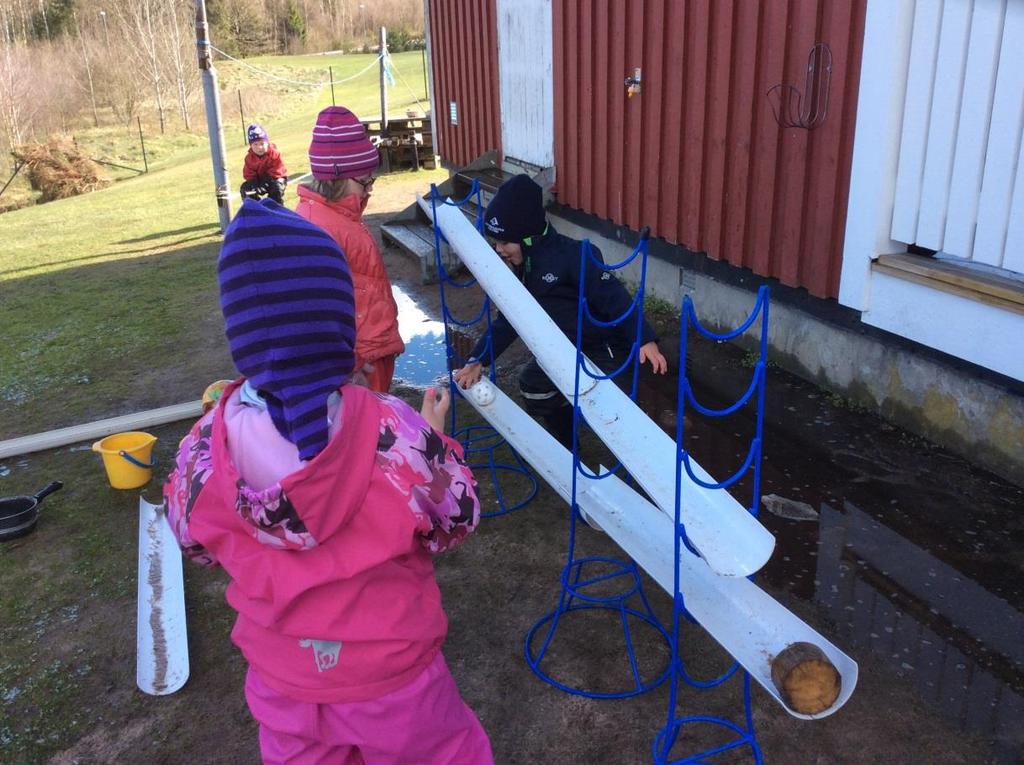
<point x="424" y="723"/>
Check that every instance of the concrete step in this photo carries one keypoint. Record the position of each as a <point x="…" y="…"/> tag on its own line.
<point x="417" y="239"/>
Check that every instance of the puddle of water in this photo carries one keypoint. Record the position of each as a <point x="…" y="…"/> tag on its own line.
<point x="425" y="360"/>
<point x="915" y="556"/>
<point x="961" y="645"/>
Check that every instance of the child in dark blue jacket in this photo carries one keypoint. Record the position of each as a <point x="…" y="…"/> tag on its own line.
<point x="549" y="265"/>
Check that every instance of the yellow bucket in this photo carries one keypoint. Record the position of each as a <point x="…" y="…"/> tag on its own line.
<point x="126" y="456"/>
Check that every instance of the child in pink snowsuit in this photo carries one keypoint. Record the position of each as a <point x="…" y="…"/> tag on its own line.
<point x="325" y="502"/>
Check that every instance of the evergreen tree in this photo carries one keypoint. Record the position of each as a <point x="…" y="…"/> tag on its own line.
<point x="294" y="24"/>
<point x="56" y="21"/>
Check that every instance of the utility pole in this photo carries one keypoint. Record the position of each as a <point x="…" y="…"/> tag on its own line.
<point x="211" y="99"/>
<point x="382" y="43"/>
<point x="106" y="34"/>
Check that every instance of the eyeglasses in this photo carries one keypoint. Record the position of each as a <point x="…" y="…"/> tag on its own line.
<point x="365" y="182"/>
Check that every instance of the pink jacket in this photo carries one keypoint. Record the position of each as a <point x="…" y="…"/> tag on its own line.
<point x="376" y="311"/>
<point x="331" y="568"/>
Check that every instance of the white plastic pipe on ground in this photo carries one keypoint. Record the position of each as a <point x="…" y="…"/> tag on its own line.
<point x="162" y="641"/>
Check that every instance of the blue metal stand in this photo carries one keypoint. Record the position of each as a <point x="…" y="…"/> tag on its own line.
<point x="669" y="735"/>
<point x="594" y="584"/>
<point x="484" y="447"/>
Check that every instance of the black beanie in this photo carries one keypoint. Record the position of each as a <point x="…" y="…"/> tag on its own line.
<point x="517" y="211"/>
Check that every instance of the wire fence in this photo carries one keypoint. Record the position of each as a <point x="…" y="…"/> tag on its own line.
<point x="390" y="70"/>
<point x="272" y="76"/>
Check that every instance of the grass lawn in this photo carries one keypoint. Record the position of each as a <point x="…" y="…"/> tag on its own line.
<point x="109" y="298"/>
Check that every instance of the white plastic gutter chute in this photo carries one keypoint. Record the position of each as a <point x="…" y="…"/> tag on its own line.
<point x="728" y="537"/>
<point x="738" y="614"/>
<point x="162" y="642"/>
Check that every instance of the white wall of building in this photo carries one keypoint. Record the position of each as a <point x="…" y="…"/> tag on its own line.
<point x="985" y="335"/>
<point x="526" y="82"/>
<point x="938" y="85"/>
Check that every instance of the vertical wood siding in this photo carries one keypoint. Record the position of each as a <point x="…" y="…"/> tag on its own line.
<point x="698" y="156"/>
<point x="960" y="182"/>
<point x="524" y="71"/>
<point x="465" y="63"/>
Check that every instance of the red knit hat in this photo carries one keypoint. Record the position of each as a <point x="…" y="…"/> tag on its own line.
<point x="340" y="148"/>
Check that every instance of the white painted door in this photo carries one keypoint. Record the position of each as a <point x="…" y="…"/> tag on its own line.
<point x="525" y="78"/>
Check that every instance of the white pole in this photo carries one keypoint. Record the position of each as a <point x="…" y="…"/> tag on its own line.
<point x="427" y="41"/>
<point x="382" y="45"/>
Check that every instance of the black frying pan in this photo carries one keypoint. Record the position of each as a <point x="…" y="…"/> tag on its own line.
<point x="18" y="515"/>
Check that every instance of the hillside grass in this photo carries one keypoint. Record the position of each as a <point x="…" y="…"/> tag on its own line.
<point x="280" y="105"/>
<point x="109" y="298"/>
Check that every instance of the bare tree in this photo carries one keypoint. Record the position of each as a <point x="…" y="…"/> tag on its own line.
<point x="59" y="86"/>
<point x="123" y="90"/>
<point x="7" y="23"/>
<point x="23" y="15"/>
<point x="46" y="23"/>
<point x="65" y="61"/>
<point x="178" y="45"/>
<point x="14" y="98"/>
<point x="136" y="20"/>
<point x="88" y="73"/>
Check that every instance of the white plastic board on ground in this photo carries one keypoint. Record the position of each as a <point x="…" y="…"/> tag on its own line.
<point x="728" y="537"/>
<point x="738" y="614"/>
<point x="162" y="642"/>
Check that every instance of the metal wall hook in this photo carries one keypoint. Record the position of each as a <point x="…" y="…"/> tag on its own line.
<point x="789" y="106"/>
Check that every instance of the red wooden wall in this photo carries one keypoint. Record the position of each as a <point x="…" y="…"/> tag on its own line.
<point x="698" y="155"/>
<point x="464" y="51"/>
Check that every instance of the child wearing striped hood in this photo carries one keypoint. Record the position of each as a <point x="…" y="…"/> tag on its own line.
<point x="325" y="503"/>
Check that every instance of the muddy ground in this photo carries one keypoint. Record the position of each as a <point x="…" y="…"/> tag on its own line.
<point x="67" y="662"/>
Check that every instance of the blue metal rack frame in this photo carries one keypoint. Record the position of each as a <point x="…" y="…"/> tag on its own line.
<point x="667" y="737"/>
<point x="576" y="583"/>
<point x="484" y="447"/>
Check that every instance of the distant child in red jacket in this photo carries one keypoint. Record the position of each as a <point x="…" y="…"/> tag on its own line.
<point x="343" y="162"/>
<point x="325" y="503"/>
<point x="264" y="171"/>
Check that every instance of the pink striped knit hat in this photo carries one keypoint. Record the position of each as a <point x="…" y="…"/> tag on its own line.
<point x="340" y="148"/>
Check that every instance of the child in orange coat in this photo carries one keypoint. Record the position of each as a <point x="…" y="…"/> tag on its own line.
<point x="343" y="161"/>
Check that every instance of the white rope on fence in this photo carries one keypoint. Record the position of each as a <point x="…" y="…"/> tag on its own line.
<point x="404" y="82"/>
<point x="272" y="76"/>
